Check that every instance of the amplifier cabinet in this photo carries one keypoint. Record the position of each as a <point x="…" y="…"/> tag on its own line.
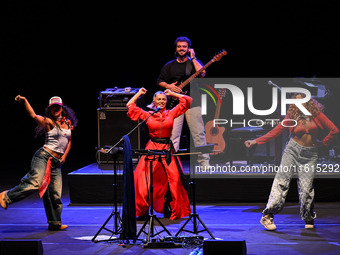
<point x="113" y="124"/>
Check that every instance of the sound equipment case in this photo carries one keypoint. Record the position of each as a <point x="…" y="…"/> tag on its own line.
<point x="113" y="124"/>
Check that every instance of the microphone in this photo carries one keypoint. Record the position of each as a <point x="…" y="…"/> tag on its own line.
<point x="273" y="84"/>
<point x="157" y="109"/>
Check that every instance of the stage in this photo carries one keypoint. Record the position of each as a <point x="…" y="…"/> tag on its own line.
<point x="75" y="51"/>
<point x="92" y="185"/>
<point x="226" y="220"/>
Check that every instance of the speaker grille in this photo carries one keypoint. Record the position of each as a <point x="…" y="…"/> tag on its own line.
<point x="113" y="124"/>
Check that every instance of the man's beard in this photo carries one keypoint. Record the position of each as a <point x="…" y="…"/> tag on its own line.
<point x="184" y="55"/>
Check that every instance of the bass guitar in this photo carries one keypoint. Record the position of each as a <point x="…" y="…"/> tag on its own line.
<point x="217" y="57"/>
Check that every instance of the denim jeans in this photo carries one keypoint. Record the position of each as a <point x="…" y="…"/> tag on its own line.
<point x="301" y="160"/>
<point x="32" y="181"/>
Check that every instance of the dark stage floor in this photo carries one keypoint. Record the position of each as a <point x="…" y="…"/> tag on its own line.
<point x="226" y="221"/>
<point x="26" y="220"/>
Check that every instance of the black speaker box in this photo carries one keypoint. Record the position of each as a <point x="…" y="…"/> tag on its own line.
<point x="14" y="247"/>
<point x="113" y="124"/>
<point x="230" y="247"/>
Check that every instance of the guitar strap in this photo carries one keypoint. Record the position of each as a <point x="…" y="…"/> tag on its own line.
<point x="188" y="68"/>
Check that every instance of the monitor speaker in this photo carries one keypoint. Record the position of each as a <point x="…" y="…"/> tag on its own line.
<point x="21" y="246"/>
<point x="230" y="247"/>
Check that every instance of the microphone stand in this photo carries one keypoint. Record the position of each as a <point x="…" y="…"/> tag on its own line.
<point x="117" y="219"/>
<point x="117" y="229"/>
<point x="194" y="217"/>
<point x="150" y="155"/>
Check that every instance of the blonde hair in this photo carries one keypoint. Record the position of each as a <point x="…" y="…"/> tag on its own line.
<point x="152" y="105"/>
<point x="312" y="106"/>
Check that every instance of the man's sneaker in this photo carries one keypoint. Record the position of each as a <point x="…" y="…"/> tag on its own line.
<point x="3" y="201"/>
<point x="309" y="224"/>
<point x="267" y="222"/>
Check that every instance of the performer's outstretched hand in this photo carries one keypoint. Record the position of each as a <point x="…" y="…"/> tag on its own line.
<point x="142" y="91"/>
<point x="249" y="143"/>
<point x="19" y="98"/>
<point x="168" y="93"/>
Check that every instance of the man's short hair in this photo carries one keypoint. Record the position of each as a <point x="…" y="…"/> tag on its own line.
<point x="183" y="39"/>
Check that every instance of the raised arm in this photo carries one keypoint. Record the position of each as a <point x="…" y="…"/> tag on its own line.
<point x="168" y="92"/>
<point x="38" y="118"/>
<point x="141" y="91"/>
<point x="197" y="64"/>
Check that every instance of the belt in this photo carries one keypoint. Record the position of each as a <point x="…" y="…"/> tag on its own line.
<point x="165" y="140"/>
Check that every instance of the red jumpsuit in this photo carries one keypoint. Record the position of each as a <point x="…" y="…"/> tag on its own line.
<point x="160" y="126"/>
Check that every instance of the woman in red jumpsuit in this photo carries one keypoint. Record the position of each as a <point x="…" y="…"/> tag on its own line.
<point x="165" y="172"/>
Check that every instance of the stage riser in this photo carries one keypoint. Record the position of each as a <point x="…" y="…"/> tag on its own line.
<point x="99" y="189"/>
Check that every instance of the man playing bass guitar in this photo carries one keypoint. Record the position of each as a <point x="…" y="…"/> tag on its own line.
<point x="182" y="67"/>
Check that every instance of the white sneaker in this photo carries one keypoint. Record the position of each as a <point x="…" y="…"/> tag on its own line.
<point x="309" y="224"/>
<point x="267" y="222"/>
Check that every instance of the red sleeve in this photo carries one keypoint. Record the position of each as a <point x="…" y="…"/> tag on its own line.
<point x="182" y="107"/>
<point x="327" y="124"/>
<point x="135" y="113"/>
<point x="272" y="134"/>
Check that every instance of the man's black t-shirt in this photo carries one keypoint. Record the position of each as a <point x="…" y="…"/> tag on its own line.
<point x="174" y="71"/>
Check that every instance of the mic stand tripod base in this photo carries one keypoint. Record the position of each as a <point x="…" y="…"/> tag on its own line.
<point x="151" y="221"/>
<point x="151" y="217"/>
<point x="194" y="216"/>
<point x="117" y="230"/>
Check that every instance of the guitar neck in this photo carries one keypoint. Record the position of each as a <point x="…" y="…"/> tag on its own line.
<point x="187" y="81"/>
<point x="218" y="110"/>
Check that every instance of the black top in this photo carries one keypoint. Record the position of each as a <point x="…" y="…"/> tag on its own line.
<point x="174" y="71"/>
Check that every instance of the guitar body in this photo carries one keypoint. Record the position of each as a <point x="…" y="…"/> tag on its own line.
<point x="214" y="135"/>
<point x="172" y="102"/>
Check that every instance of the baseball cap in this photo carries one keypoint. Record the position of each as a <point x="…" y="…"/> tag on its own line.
<point x="55" y="100"/>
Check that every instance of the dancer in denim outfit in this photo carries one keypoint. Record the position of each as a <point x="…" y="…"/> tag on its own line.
<point x="45" y="172"/>
<point x="300" y="156"/>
